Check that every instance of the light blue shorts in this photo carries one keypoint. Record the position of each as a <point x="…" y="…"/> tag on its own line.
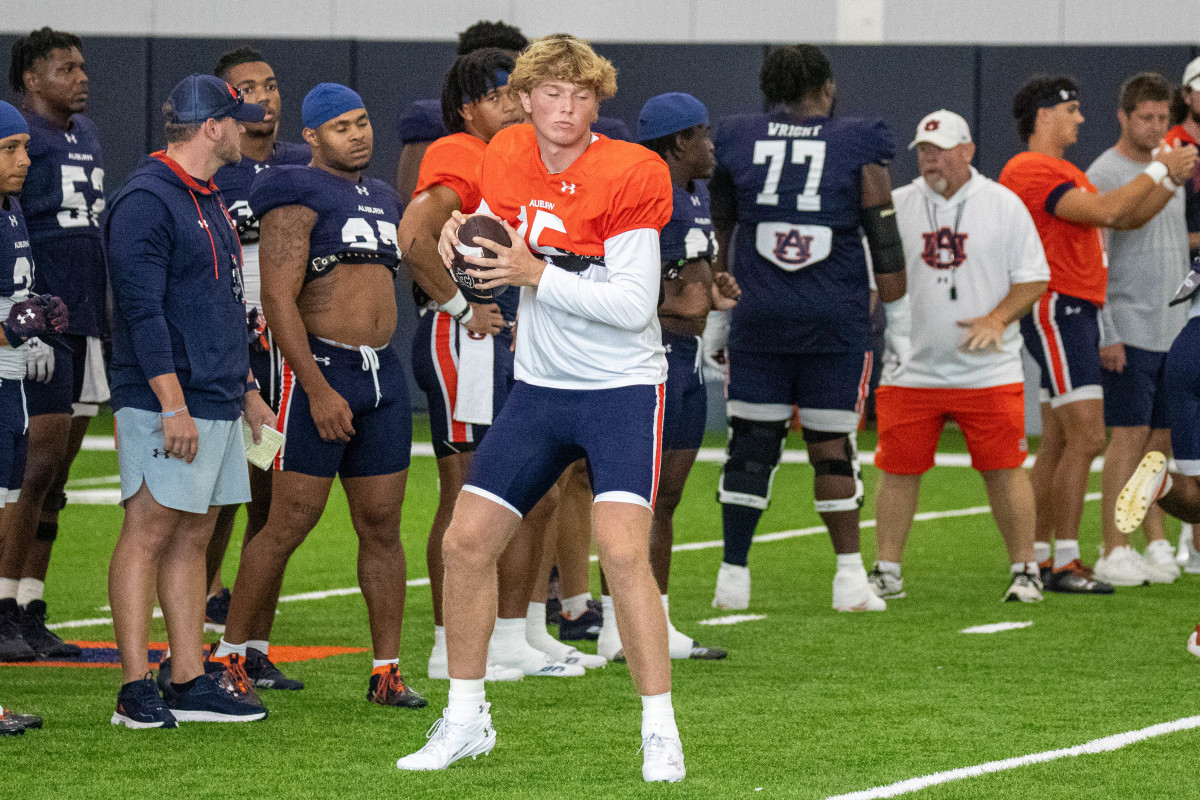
<point x="218" y="476"/>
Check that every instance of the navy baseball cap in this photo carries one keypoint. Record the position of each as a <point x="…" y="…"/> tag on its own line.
<point x="669" y="113"/>
<point x="200" y="97"/>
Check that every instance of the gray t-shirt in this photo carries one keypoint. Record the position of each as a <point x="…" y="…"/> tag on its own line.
<point x="1145" y="266"/>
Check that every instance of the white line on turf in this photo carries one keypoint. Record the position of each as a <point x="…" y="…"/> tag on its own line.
<point x="732" y="619"/>
<point x="1104" y="745"/>
<point x="924" y="516"/>
<point x="997" y="627"/>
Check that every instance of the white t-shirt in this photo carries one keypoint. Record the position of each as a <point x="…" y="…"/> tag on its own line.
<point x="974" y="246"/>
<point x="251" y="276"/>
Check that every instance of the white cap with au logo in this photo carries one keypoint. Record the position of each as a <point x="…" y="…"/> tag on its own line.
<point x="942" y="128"/>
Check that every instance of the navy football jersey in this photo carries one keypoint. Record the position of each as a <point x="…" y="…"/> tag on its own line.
<point x="356" y="222"/>
<point x="797" y="252"/>
<point x="689" y="235"/>
<point x="16" y="276"/>
<point x="234" y="181"/>
<point x="64" y="189"/>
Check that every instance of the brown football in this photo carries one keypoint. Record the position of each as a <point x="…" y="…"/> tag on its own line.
<point x="484" y="227"/>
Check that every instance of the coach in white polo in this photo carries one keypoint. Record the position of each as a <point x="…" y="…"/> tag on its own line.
<point x="975" y="266"/>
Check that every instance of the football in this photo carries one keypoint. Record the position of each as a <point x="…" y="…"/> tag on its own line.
<point x="484" y="227"/>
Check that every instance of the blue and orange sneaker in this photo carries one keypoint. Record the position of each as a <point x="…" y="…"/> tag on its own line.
<point x="12" y="723"/>
<point x="387" y="688"/>
<point x="206" y="701"/>
<point x="140" y="706"/>
<point x="265" y="675"/>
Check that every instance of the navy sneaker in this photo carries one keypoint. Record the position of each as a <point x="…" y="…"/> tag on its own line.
<point x="206" y="701"/>
<point x="13" y="646"/>
<point x="164" y="670"/>
<point x="139" y="706"/>
<point x="43" y="641"/>
<point x="12" y="724"/>
<point x="585" y="626"/>
<point x="387" y="688"/>
<point x="265" y="675"/>
<point x="216" y="610"/>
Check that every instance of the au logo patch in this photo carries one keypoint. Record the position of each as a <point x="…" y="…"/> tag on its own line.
<point x="793" y="248"/>
<point x="944" y="249"/>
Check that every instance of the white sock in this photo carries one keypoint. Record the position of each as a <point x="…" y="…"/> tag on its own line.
<point x="609" y="643"/>
<point x="28" y="590"/>
<point x="1031" y="567"/>
<point x="376" y="663"/>
<point x="439" y="637"/>
<point x="1017" y="567"/>
<point x="538" y="638"/>
<point x="1065" y="551"/>
<point x="658" y="715"/>
<point x="850" y="561"/>
<point x="225" y="649"/>
<point x="1041" y="551"/>
<point x="8" y="588"/>
<point x="574" y="606"/>
<point x="260" y="645"/>
<point x="890" y="567"/>
<point x="466" y="699"/>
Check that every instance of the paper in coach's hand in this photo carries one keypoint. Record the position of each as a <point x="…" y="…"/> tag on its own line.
<point x="262" y="454"/>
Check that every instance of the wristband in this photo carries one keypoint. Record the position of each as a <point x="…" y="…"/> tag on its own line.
<point x="465" y="317"/>
<point x="252" y="386"/>
<point x="456" y="306"/>
<point x="1157" y="170"/>
<point x="1169" y="184"/>
<point x="179" y="410"/>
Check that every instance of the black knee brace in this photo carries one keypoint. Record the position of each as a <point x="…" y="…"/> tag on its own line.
<point x="55" y="501"/>
<point x="754" y="451"/>
<point x="846" y="467"/>
<point x="47" y="531"/>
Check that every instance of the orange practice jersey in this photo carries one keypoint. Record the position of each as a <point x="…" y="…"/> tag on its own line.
<point x="613" y="188"/>
<point x="453" y="161"/>
<point x="1075" y="251"/>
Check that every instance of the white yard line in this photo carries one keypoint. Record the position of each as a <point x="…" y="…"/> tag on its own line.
<point x="679" y="548"/>
<point x="997" y="627"/>
<point x="1104" y="745"/>
<point x="732" y="619"/>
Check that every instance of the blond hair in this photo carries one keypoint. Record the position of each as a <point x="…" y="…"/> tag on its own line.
<point x="563" y="57"/>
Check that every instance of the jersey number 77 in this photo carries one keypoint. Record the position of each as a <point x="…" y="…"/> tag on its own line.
<point x="773" y="153"/>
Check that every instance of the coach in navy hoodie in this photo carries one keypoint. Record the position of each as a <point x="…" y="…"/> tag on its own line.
<point x="180" y="380"/>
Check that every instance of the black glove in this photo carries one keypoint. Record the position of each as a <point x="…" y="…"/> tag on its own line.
<point x="56" y="312"/>
<point x="25" y="320"/>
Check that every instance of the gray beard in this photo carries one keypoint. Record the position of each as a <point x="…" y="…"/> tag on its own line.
<point x="938" y="185"/>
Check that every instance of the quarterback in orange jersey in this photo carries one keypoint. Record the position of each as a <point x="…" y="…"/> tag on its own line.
<point x="1062" y="332"/>
<point x="584" y="214"/>
<point x="462" y="360"/>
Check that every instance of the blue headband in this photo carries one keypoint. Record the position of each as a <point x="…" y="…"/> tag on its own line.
<point x="499" y="79"/>
<point x="11" y="121"/>
<point x="326" y="101"/>
<point x="669" y="113"/>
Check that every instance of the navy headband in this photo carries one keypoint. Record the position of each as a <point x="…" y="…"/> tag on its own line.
<point x="498" y="80"/>
<point x="326" y="101"/>
<point x="1050" y="97"/>
<point x="11" y="121"/>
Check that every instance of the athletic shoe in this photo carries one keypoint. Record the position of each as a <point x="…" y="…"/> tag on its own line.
<point x="700" y="653"/>
<point x="533" y="663"/>
<point x="1024" y="588"/>
<point x="662" y="758"/>
<point x="387" y="688"/>
<point x="1160" y="562"/>
<point x="1122" y="566"/>
<point x="12" y="723"/>
<point x="1193" y="645"/>
<point x="1075" y="578"/>
<point x="216" y="610"/>
<point x="164" y="671"/>
<point x="885" y="584"/>
<point x="233" y="678"/>
<point x="585" y="626"/>
<point x="439" y="669"/>
<point x="1141" y="491"/>
<point x="554" y="611"/>
<point x="1184" y="552"/>
<point x="207" y="701"/>
<point x="13" y="646"/>
<point x="681" y="646"/>
<point x="47" y="644"/>
<point x="852" y="592"/>
<point x="140" y="706"/>
<point x="733" y="588"/>
<point x="265" y="675"/>
<point x="450" y="741"/>
<point x="586" y="660"/>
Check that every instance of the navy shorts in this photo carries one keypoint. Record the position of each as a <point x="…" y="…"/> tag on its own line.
<point x="1134" y="397"/>
<point x="1063" y="336"/>
<point x="73" y="268"/>
<point x="830" y="389"/>
<point x="541" y="431"/>
<point x="65" y="386"/>
<point x="266" y="362"/>
<point x="14" y="439"/>
<point x="687" y="397"/>
<point x="376" y="388"/>
<point x="437" y="366"/>
<point x="1181" y="384"/>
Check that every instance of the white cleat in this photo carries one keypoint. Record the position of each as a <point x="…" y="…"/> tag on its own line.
<point x="1024" y="588"/>
<point x="852" y="592"/>
<point x="1160" y="562"/>
<point x="1192" y="645"/>
<point x="1141" y="491"/>
<point x="533" y="663"/>
<point x="733" y="588"/>
<point x="585" y="660"/>
<point x="662" y="758"/>
<point x="886" y="585"/>
<point x="1122" y="566"/>
<point x="439" y="669"/>
<point x="450" y="741"/>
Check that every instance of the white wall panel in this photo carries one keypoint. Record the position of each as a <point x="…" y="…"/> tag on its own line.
<point x="413" y="19"/>
<point x="116" y="18"/>
<point x="300" y="19"/>
<point x="607" y="21"/>
<point x="1162" y="22"/>
<point x="972" y="22"/>
<point x="766" y="21"/>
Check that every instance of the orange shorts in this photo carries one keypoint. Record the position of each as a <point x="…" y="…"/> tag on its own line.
<point x="910" y="422"/>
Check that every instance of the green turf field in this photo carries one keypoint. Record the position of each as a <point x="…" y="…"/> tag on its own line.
<point x="809" y="704"/>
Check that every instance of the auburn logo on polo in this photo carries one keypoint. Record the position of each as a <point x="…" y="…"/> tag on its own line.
<point x="944" y="249"/>
<point x="792" y="248"/>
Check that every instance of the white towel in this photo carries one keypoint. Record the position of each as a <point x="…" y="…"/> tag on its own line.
<point x="95" y="380"/>
<point x="476" y="360"/>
